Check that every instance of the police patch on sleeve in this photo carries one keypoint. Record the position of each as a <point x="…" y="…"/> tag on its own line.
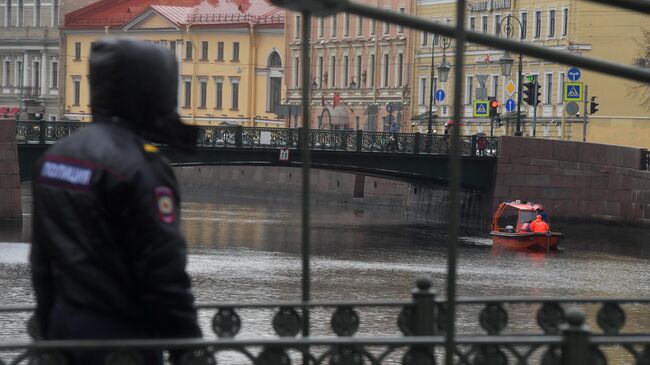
<point x="165" y="206"/>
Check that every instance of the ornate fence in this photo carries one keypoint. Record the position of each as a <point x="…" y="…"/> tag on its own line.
<point x="321" y="139"/>
<point x="493" y="331"/>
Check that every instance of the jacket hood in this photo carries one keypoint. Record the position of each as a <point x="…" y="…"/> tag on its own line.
<point x="136" y="83"/>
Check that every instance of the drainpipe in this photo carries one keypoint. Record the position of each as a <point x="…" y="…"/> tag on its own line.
<point x="194" y="65"/>
<point x="375" y="127"/>
<point x="252" y="101"/>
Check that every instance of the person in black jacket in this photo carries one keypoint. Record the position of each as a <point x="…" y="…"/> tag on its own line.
<point x="108" y="257"/>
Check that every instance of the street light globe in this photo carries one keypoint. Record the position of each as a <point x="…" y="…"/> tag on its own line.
<point x="506" y="64"/>
<point x="443" y="71"/>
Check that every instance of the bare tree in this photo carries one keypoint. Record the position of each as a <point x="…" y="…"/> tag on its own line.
<point x="642" y="91"/>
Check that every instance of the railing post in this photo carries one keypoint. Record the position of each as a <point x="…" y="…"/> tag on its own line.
<point x="41" y="131"/>
<point x="576" y="335"/>
<point x="300" y="132"/>
<point x="416" y="143"/>
<point x="474" y="139"/>
<point x="239" y="136"/>
<point x="424" y="306"/>
<point x="359" y="140"/>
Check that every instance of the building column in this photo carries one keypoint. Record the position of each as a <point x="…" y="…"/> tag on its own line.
<point x="43" y="79"/>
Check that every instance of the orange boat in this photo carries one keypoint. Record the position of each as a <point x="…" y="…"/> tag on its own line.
<point x="506" y="229"/>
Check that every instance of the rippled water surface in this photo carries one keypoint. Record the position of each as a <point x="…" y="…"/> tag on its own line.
<point x="250" y="252"/>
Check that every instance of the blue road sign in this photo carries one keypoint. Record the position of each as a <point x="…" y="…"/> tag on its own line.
<point x="573" y="74"/>
<point x="440" y="95"/>
<point x="510" y="105"/>
<point x="480" y="108"/>
<point x="573" y="91"/>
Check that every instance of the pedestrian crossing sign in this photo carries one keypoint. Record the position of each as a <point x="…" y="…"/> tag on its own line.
<point x="481" y="108"/>
<point x="573" y="91"/>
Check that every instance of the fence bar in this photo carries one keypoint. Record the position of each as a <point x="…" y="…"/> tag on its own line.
<point x="306" y="92"/>
<point x="642" y="6"/>
<point x="632" y="73"/>
<point x="454" y="184"/>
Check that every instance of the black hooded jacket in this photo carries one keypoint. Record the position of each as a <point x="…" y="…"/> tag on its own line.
<point x="106" y="218"/>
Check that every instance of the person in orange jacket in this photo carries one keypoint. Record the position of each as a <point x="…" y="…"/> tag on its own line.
<point x="538" y="225"/>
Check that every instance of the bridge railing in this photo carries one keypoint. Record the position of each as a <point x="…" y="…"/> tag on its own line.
<point x="490" y="331"/>
<point x="645" y="160"/>
<point x="45" y="132"/>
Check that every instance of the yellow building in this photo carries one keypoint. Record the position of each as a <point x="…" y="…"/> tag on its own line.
<point x="229" y="53"/>
<point x="580" y="27"/>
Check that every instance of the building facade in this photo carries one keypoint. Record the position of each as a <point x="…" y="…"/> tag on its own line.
<point x="230" y="55"/>
<point x="360" y="70"/>
<point x="581" y="27"/>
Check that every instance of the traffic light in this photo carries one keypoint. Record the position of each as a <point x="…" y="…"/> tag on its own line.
<point x="593" y="106"/>
<point x="532" y="93"/>
<point x="494" y="105"/>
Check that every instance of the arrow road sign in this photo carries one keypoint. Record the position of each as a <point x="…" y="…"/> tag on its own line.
<point x="481" y="108"/>
<point x="510" y="105"/>
<point x="440" y="95"/>
<point x="573" y="91"/>
<point x="573" y="74"/>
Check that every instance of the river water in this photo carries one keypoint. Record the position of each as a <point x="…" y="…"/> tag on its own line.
<point x="248" y="250"/>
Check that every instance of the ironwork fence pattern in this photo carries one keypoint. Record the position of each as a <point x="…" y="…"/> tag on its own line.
<point x="645" y="160"/>
<point x="260" y="137"/>
<point x="560" y="337"/>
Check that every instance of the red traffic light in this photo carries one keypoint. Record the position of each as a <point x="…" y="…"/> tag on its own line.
<point x="494" y="104"/>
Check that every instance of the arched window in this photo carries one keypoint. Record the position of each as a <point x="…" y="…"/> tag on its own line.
<point x="275" y="60"/>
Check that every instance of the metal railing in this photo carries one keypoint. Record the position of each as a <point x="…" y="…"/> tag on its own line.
<point x="418" y="326"/>
<point x="42" y="132"/>
<point x="645" y="160"/>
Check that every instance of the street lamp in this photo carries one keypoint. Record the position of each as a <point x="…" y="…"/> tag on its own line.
<point x="506" y="62"/>
<point x="443" y="74"/>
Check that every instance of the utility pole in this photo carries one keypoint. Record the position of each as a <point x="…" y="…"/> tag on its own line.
<point x="584" y="120"/>
<point x="431" y="99"/>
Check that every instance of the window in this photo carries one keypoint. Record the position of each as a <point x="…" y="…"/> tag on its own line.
<point x="320" y="71"/>
<point x="37" y="13"/>
<point x="484" y="23"/>
<point x="334" y="25"/>
<point x="472" y="23"/>
<point x="188" y="94"/>
<point x="424" y="39"/>
<point x="565" y="21"/>
<point x="386" y="28"/>
<point x="7" y="72"/>
<point x="54" y="75"/>
<point x="346" y="68"/>
<point x="19" y="73"/>
<point x="548" y="92"/>
<point x="385" y="73"/>
<point x="538" y="24"/>
<point x="235" y="51"/>
<point x="497" y="24"/>
<point x="76" y="90"/>
<point x="55" y="13"/>
<point x="359" y="26"/>
<point x="551" y="23"/>
<point x="172" y="47"/>
<point x="371" y="74"/>
<point x="36" y="76"/>
<point x="77" y="51"/>
<point x="204" y="51"/>
<point x="469" y="90"/>
<point x="333" y="71"/>
<point x="524" y="25"/>
<point x="321" y="26"/>
<point x="235" y="94"/>
<point x="400" y="28"/>
<point x="400" y="68"/>
<point x="296" y="28"/>
<point x="560" y="90"/>
<point x="9" y="19"/>
<point x="21" y="12"/>
<point x="203" y="96"/>
<point x="422" y="88"/>
<point x="188" y="50"/>
<point x="220" y="51"/>
<point x="346" y="24"/>
<point x="219" y="93"/>
<point x="296" y="71"/>
<point x="373" y="26"/>
<point x="358" y="71"/>
<point x="495" y="86"/>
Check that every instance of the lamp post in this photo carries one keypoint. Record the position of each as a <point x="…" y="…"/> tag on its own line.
<point x="443" y="74"/>
<point x="506" y="63"/>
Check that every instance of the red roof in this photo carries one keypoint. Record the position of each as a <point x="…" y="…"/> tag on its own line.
<point x="117" y="14"/>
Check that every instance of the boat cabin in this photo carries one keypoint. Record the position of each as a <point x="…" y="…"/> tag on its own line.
<point x="509" y="216"/>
